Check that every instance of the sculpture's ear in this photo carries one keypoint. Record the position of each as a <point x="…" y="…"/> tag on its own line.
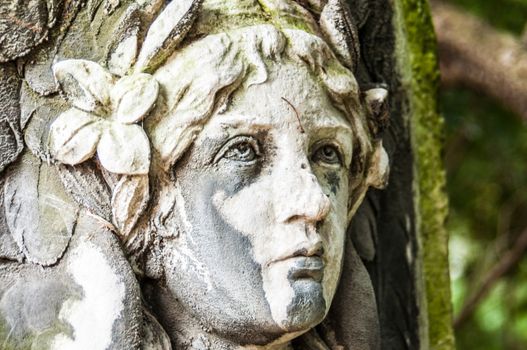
<point x="376" y="100"/>
<point x="379" y="170"/>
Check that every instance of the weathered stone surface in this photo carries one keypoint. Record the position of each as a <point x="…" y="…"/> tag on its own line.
<point x="89" y="299"/>
<point x="9" y="250"/>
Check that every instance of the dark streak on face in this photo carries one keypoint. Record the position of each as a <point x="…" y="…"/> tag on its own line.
<point x="333" y="180"/>
<point x="308" y="304"/>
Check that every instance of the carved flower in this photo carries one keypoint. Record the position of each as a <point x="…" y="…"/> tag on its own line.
<point x="103" y="117"/>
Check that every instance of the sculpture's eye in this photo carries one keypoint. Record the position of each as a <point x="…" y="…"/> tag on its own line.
<point x="240" y="149"/>
<point x="328" y="154"/>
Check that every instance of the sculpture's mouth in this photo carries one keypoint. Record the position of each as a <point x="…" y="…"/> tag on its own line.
<point x="306" y="268"/>
<point x="304" y="262"/>
<point x="314" y="251"/>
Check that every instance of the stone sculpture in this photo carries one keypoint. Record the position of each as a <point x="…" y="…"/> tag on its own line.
<point x="189" y="173"/>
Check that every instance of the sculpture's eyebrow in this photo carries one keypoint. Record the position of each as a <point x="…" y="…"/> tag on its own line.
<point x="333" y="125"/>
<point x="336" y="128"/>
<point x="235" y="121"/>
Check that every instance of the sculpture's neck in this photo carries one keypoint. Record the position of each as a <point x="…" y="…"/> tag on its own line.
<point x="193" y="337"/>
<point x="187" y="333"/>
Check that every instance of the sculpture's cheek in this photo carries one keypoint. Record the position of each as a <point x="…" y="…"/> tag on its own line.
<point x="210" y="267"/>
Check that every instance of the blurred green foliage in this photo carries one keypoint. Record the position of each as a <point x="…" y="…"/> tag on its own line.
<point x="486" y="160"/>
<point x="510" y="15"/>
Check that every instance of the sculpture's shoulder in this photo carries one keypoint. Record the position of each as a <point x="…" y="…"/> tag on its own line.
<point x="89" y="299"/>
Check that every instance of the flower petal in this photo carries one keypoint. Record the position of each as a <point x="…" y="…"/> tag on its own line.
<point x="85" y="83"/>
<point x="124" y="149"/>
<point x="134" y="96"/>
<point x="73" y="136"/>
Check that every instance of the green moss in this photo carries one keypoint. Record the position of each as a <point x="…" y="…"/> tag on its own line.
<point x="420" y="77"/>
<point x="286" y="20"/>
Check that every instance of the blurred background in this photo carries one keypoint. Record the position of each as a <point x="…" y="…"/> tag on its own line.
<point x="483" y="54"/>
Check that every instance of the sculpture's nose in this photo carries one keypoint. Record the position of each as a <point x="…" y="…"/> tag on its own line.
<point x="301" y="197"/>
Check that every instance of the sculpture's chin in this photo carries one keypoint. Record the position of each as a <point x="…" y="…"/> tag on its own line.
<point x="308" y="307"/>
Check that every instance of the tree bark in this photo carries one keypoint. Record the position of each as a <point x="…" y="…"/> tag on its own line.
<point x="410" y="266"/>
<point x="475" y="55"/>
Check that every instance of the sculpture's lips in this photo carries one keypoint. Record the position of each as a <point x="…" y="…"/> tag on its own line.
<point x="302" y="267"/>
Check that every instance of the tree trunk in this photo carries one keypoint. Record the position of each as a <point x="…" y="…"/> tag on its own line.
<point x="410" y="265"/>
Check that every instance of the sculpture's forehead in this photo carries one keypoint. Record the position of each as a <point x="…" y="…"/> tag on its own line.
<point x="291" y="91"/>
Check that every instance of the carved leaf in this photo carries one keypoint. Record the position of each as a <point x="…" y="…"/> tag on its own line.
<point x="337" y="25"/>
<point x="125" y="42"/>
<point x="85" y="83"/>
<point x="166" y="32"/>
<point x="9" y="250"/>
<point x="378" y="108"/>
<point x="134" y="96"/>
<point x="379" y="171"/>
<point x="10" y="143"/>
<point x="36" y="132"/>
<point x="39" y="213"/>
<point x="315" y="6"/>
<point x="10" y="134"/>
<point x="73" y="136"/>
<point x="129" y="200"/>
<point x="23" y="26"/>
<point x="88" y="188"/>
<point x="124" y="149"/>
<point x="123" y="55"/>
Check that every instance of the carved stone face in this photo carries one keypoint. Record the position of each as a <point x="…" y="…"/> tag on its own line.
<point x="262" y="205"/>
